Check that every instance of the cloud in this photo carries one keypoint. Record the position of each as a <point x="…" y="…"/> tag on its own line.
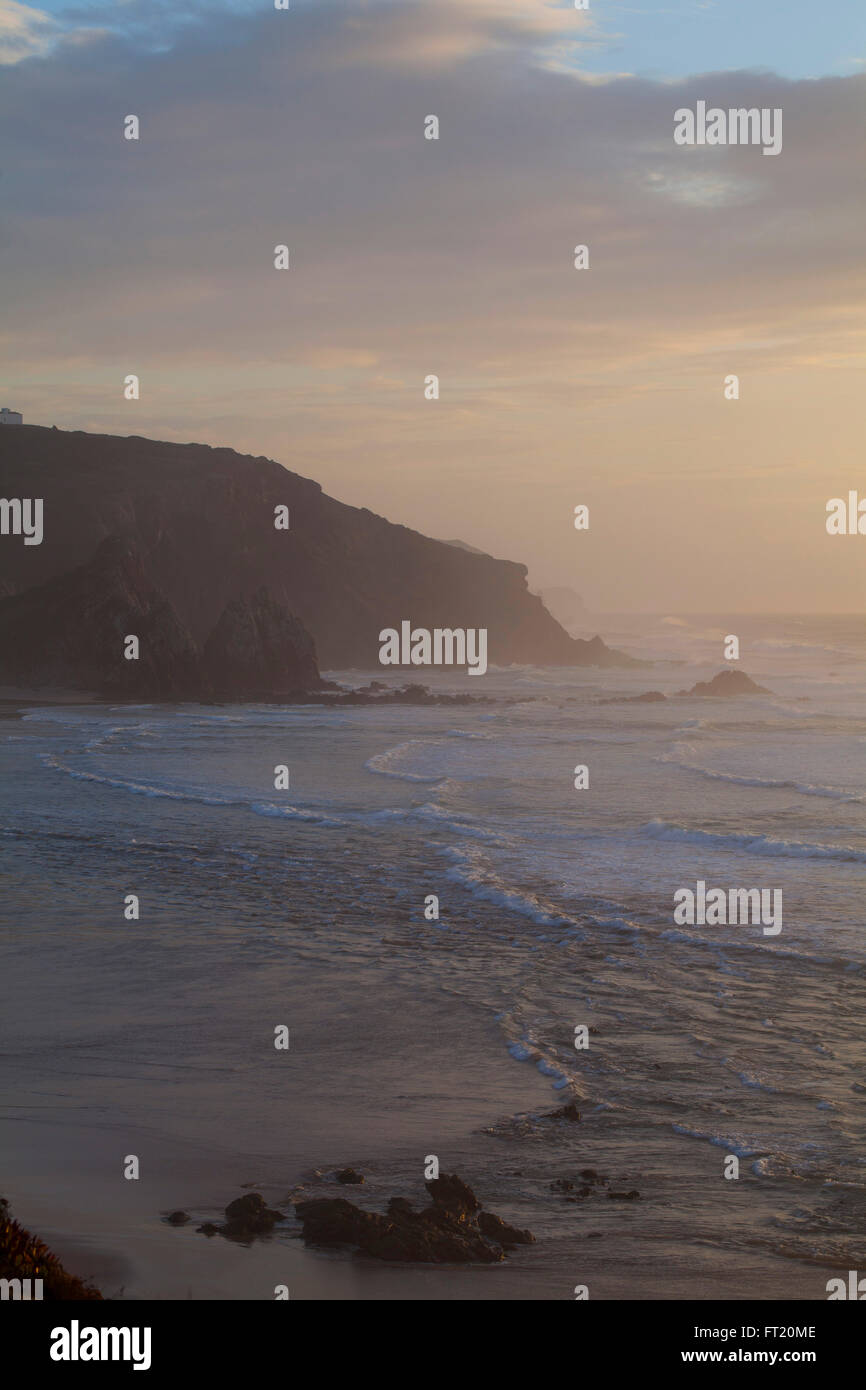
<point x="24" y="31"/>
<point x="411" y="257"/>
<point x="430" y="36"/>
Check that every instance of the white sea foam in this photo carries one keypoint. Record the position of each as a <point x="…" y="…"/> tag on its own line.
<point x="763" y="845"/>
<point x="741" y="1147"/>
<point x="266" y="808"/>
<point x="187" y="794"/>
<point x="384" y="764"/>
<point x="780" y="783"/>
<point x="484" y="883"/>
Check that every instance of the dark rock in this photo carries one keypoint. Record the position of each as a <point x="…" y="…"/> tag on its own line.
<point x="565" y="1112"/>
<point x="451" y="1193"/>
<point x="449" y="1231"/>
<point x="589" y="1175"/>
<point x="632" y="1196"/>
<point x="209" y="1229"/>
<point x="377" y="694"/>
<point x="249" y="1216"/>
<point x="258" y="648"/>
<point x="177" y="1218"/>
<point x="348" y="1175"/>
<point x="727" y="682"/>
<point x="580" y="1193"/>
<point x="68" y="633"/>
<point x="494" y="1228"/>
<point x="334" y="1221"/>
<point x="245" y="1208"/>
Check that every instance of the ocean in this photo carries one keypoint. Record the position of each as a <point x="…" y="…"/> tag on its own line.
<point x="453" y="1037"/>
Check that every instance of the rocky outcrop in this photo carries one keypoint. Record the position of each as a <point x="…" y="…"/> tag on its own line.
<point x="203" y="523"/>
<point x="259" y="648"/>
<point x="564" y="1112"/>
<point x="727" y="682"/>
<point x="71" y="633"/>
<point x="453" y="1230"/>
<point x="247" y="1218"/>
<point x="348" y="1177"/>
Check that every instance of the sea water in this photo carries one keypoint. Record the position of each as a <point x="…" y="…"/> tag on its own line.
<point x="454" y="1035"/>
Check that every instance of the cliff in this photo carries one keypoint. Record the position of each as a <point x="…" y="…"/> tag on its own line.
<point x="202" y="524"/>
<point x="259" y="648"/>
<point x="70" y="633"/>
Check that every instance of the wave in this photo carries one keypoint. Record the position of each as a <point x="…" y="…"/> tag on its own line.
<point x="763" y="947"/>
<point x="141" y="788"/>
<point x="740" y="1147"/>
<point x="527" y="1049"/>
<point x="764" y="845"/>
<point x="785" y="784"/>
<point x="483" y="883"/>
<point x="434" y="814"/>
<point x="186" y="794"/>
<point x="267" y="808"/>
<point x="380" y="763"/>
<point x="754" y="1082"/>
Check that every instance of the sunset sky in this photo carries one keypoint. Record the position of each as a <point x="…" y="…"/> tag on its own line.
<point x="411" y="257"/>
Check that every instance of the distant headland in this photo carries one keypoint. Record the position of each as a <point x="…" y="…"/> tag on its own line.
<point x="239" y="578"/>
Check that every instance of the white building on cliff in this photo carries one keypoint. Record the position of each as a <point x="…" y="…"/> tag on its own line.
<point x="11" y="417"/>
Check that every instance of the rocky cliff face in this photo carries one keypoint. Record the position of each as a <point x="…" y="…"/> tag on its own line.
<point x="71" y="633"/>
<point x="259" y="648"/>
<point x="202" y="521"/>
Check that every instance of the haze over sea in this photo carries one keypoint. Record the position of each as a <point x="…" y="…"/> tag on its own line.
<point x="412" y="1037"/>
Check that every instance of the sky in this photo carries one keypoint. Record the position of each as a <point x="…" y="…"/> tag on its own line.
<point x="455" y="257"/>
